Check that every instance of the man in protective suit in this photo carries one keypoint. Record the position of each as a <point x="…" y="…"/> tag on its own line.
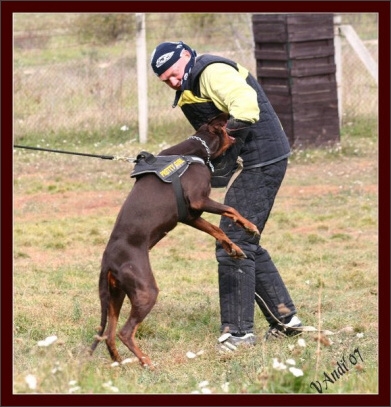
<point x="205" y="86"/>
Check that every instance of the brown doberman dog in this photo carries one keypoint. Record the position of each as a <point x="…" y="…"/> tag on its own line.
<point x="149" y="212"/>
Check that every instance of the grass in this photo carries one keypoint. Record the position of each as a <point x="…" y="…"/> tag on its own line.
<point x="322" y="235"/>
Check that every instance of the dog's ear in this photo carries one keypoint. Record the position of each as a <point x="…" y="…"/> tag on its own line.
<point x="218" y="122"/>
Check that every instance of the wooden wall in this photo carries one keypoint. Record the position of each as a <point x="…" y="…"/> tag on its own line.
<point x="295" y="66"/>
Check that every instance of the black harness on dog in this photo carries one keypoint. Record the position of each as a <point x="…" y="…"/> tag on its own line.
<point x="169" y="169"/>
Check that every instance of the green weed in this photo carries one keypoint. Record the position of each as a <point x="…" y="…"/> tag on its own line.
<point x="322" y="235"/>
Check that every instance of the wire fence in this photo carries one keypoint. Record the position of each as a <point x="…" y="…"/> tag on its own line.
<point x="65" y="83"/>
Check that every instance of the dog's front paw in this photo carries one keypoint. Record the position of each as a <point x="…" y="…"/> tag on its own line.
<point x="237" y="253"/>
<point x="252" y="230"/>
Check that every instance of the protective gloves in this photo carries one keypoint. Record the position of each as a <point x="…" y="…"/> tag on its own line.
<point x="234" y="126"/>
<point x="225" y="165"/>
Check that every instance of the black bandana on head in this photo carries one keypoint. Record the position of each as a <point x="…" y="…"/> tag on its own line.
<point x="165" y="55"/>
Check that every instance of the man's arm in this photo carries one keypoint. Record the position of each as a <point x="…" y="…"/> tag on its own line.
<point x="229" y="91"/>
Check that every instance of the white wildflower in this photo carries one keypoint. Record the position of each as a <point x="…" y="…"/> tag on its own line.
<point x="48" y="341"/>
<point x="296" y="372"/>
<point x="278" y="365"/>
<point x="301" y="342"/>
<point x="31" y="381"/>
<point x="225" y="387"/>
<point x="203" y="386"/>
<point x="203" y="383"/>
<point x="57" y="368"/>
<point x="124" y="128"/>
<point x="114" y="364"/>
<point x="360" y="335"/>
<point x="290" y="362"/>
<point x="129" y="360"/>
<point x="74" y="389"/>
<point x="109" y="385"/>
<point x="191" y="355"/>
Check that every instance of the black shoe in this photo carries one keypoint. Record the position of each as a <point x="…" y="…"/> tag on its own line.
<point x="228" y="342"/>
<point x="292" y="328"/>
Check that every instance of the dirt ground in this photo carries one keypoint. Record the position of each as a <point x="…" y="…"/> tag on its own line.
<point x="302" y="181"/>
<point x="86" y="202"/>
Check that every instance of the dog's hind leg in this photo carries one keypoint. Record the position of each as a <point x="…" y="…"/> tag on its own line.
<point x="111" y="300"/>
<point x="116" y="299"/>
<point x="140" y="286"/>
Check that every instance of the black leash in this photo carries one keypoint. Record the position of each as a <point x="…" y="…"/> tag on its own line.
<point x="103" y="157"/>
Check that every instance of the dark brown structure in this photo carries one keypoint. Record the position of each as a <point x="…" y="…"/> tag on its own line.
<point x="296" y="68"/>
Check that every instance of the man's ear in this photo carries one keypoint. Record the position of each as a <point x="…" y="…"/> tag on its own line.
<point x="186" y="53"/>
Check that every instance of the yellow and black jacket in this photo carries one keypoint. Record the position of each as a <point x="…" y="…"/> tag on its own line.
<point x="208" y="92"/>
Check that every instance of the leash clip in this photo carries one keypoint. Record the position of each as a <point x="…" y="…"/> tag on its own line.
<point x="120" y="158"/>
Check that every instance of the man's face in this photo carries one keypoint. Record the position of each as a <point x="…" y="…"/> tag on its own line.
<point x="173" y="76"/>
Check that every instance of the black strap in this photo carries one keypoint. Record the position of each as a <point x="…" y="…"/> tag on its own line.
<point x="182" y="208"/>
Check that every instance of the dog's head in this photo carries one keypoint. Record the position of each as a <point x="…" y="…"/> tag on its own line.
<point x="215" y="135"/>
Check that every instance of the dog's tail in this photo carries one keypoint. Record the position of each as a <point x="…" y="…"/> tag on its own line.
<point x="104" y="296"/>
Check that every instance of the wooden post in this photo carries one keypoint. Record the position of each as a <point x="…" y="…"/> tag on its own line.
<point x="142" y="83"/>
<point x="361" y="51"/>
<point x="338" y="63"/>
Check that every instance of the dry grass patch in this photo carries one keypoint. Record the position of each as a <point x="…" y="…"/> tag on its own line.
<point x="322" y="235"/>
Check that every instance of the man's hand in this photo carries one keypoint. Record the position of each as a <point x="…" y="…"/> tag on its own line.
<point x="234" y="126"/>
<point x="225" y="165"/>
